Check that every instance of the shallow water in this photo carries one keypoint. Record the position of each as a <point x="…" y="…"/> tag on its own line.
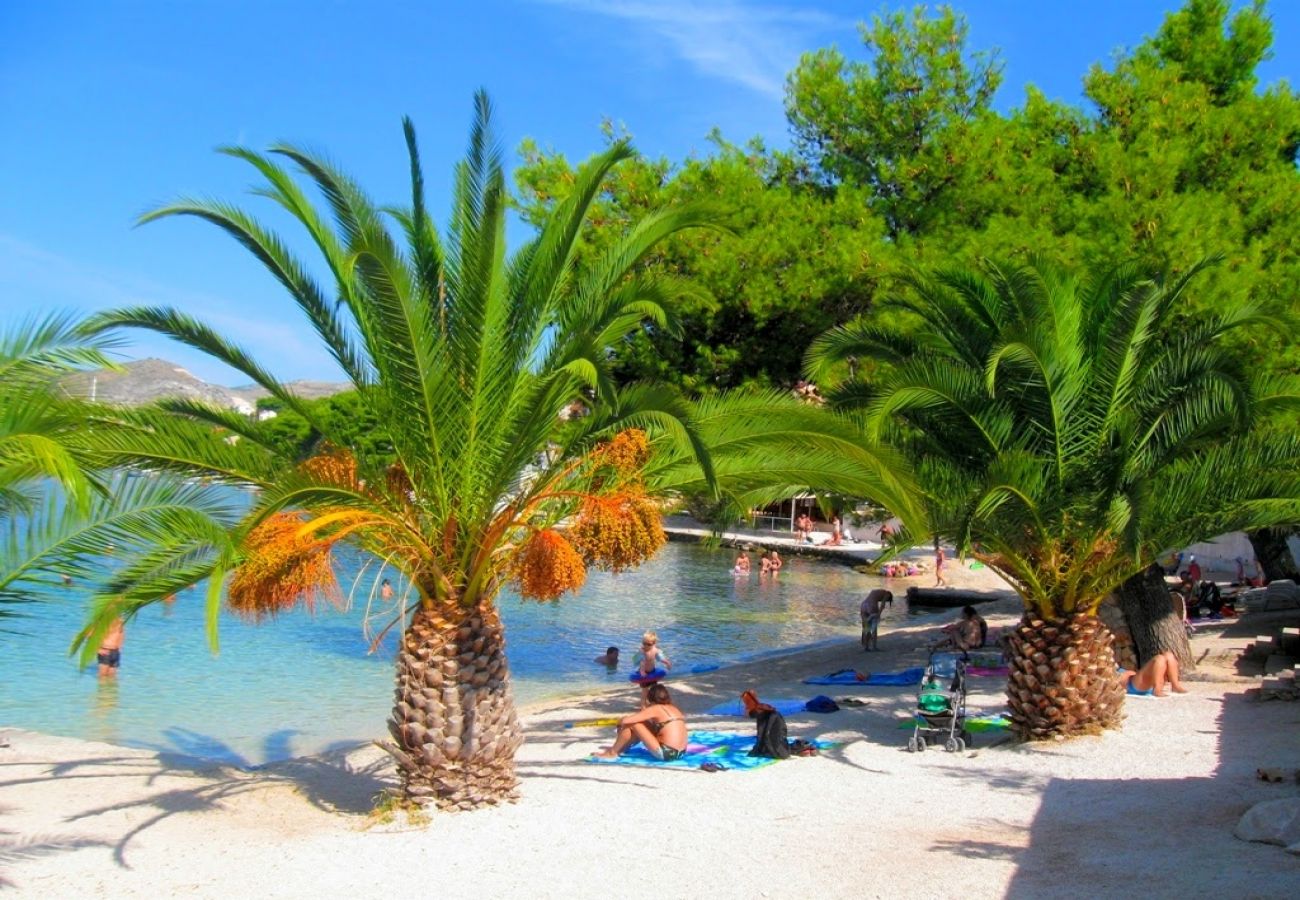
<point x="305" y="683"/>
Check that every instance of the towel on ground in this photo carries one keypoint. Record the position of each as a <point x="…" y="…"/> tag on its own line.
<point x="737" y="708"/>
<point x="718" y="747"/>
<point x="849" y="677"/>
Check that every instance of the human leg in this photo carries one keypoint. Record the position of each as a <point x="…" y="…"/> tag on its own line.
<point x="629" y="735"/>
<point x="873" y="632"/>
<point x="1172" y="672"/>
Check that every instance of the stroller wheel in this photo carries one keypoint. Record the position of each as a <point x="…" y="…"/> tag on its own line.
<point x="912" y="744"/>
<point x="920" y="745"/>
<point x="951" y="745"/>
<point x="968" y="739"/>
<point x="961" y="745"/>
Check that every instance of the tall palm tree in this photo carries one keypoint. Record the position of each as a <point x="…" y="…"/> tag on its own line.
<point x="468" y="357"/>
<point x="1068" y="430"/>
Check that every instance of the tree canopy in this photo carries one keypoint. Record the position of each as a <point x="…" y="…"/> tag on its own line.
<point x="900" y="160"/>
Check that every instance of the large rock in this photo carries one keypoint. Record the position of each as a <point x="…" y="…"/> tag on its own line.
<point x="1271" y="822"/>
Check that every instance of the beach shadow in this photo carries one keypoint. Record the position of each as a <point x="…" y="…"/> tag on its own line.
<point x="16" y="848"/>
<point x="343" y="780"/>
<point x="1158" y="837"/>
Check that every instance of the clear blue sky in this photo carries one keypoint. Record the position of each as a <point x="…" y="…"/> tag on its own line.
<point x="110" y="106"/>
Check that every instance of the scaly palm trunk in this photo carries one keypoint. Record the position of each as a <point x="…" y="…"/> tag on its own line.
<point x="1062" y="680"/>
<point x="454" y="721"/>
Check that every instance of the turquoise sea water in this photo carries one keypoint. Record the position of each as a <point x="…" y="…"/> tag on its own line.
<point x="305" y="683"/>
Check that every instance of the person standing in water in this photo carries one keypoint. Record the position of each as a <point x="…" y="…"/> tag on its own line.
<point x="109" y="656"/>
<point x="386" y="589"/>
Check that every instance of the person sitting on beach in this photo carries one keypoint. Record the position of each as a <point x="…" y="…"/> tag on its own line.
<point x="610" y="658"/>
<point x="1150" y="680"/>
<point x="742" y="564"/>
<point x="660" y="727"/>
<point x="967" y="633"/>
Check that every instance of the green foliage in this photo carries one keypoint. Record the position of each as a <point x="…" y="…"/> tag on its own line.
<point x="900" y="162"/>
<point x="1071" y="427"/>
<point x="892" y="124"/>
<point x="799" y="260"/>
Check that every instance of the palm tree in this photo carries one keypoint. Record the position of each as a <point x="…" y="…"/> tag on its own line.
<point x="46" y="481"/>
<point x="1068" y="431"/>
<point x="467" y="357"/>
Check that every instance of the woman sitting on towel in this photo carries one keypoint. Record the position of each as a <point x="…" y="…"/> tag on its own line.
<point x="660" y="727"/>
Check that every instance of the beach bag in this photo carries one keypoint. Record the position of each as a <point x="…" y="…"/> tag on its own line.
<point x="771" y="742"/>
<point x="821" y="704"/>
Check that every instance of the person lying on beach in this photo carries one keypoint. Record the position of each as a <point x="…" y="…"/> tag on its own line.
<point x="610" y="658"/>
<point x="1150" y="680"/>
<point x="660" y="728"/>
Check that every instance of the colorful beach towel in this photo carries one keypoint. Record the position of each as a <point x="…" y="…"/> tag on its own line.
<point x="974" y="724"/>
<point x="718" y="747"/>
<point x="849" y="678"/>
<point x="737" y="708"/>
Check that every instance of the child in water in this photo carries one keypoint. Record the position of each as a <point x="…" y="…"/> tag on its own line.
<point x="650" y="662"/>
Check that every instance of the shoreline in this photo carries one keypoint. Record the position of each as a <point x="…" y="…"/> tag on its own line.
<point x="1002" y="818"/>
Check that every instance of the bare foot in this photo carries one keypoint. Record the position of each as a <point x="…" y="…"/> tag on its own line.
<point x="605" y="754"/>
<point x="1159" y="693"/>
<point x="1179" y="689"/>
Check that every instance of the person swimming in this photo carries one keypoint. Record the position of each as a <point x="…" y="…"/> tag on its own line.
<point x="610" y="658"/>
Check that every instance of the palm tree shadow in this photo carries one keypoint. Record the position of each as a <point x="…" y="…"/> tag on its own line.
<point x="15" y="848"/>
<point x="345" y="779"/>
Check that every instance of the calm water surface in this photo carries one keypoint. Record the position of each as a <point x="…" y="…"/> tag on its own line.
<point x="304" y="683"/>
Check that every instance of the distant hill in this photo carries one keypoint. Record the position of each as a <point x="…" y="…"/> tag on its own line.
<point x="148" y="380"/>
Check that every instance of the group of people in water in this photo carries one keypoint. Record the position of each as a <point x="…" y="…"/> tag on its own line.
<point x="769" y="563"/>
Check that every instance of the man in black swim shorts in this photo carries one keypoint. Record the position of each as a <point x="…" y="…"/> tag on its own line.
<point x="110" y="649"/>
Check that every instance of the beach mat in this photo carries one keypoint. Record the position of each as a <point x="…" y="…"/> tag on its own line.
<point x="737" y="708"/>
<point x="717" y="747"/>
<point x="974" y="724"/>
<point x="849" y="678"/>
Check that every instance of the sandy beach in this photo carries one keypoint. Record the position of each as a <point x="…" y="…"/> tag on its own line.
<point x="1146" y="810"/>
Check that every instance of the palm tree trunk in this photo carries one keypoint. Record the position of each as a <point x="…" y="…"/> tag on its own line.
<point x="1062" y="680"/>
<point x="454" y="721"/>
<point x="1152" y="621"/>
<point x="1273" y="553"/>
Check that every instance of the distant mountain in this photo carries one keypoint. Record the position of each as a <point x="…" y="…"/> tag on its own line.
<point x="148" y="380"/>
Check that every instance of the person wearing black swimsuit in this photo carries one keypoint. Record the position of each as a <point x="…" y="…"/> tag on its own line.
<point x="660" y="728"/>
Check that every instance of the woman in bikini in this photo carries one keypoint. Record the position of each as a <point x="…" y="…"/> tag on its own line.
<point x="660" y="728"/>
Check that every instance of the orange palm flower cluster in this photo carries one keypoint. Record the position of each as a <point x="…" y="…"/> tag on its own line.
<point x="627" y="452"/>
<point x="333" y="466"/>
<point x="548" y="566"/>
<point x="282" y="568"/>
<point x="618" y="531"/>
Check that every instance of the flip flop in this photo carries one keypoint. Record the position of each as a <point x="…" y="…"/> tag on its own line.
<point x="850" y="701"/>
<point x="712" y="767"/>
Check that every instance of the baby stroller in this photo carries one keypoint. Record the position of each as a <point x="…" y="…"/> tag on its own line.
<point x="940" y="712"/>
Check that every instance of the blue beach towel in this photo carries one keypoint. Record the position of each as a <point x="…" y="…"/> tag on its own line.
<point x="849" y="678"/>
<point x="718" y="747"/>
<point x="737" y="708"/>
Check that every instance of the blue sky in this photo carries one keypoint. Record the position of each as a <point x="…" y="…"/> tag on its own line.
<point x="111" y="106"/>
